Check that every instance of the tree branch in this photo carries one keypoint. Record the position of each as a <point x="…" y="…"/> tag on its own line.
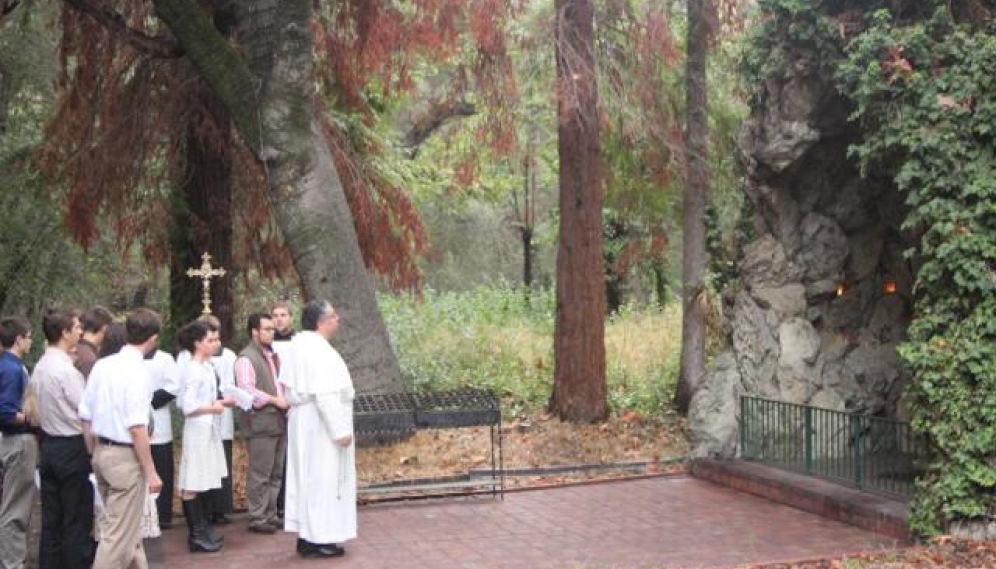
<point x="217" y="62"/>
<point x="432" y="119"/>
<point x="155" y="46"/>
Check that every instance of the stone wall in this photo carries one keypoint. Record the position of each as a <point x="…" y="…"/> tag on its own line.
<point x="811" y="319"/>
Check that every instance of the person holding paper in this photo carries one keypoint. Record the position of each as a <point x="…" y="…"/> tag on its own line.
<point x="218" y="502"/>
<point x="202" y="462"/>
<point x="321" y="460"/>
<point x="264" y="425"/>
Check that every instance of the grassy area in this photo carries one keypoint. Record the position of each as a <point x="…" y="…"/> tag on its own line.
<point x="494" y="337"/>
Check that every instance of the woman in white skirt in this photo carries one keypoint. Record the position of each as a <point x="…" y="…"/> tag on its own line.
<point x="202" y="463"/>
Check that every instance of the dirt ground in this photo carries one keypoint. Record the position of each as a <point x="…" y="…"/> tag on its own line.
<point x="533" y="451"/>
<point x="942" y="553"/>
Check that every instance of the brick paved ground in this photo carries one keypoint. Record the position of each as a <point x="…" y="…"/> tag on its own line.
<point x="649" y="523"/>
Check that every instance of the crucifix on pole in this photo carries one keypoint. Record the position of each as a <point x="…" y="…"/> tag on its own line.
<point x="206" y="272"/>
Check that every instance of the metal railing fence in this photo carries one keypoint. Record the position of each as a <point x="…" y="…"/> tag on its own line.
<point x="871" y="453"/>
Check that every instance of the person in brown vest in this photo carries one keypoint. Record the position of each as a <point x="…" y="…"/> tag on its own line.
<point x="264" y="426"/>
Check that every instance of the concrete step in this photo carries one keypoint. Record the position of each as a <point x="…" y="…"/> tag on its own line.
<point x="880" y="514"/>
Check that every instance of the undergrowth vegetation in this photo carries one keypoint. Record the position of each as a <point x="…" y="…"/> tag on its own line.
<point x="495" y="337"/>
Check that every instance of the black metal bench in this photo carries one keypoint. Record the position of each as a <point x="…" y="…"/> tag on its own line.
<point x="406" y="412"/>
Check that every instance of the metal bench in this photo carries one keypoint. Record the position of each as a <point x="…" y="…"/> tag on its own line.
<point x="406" y="412"/>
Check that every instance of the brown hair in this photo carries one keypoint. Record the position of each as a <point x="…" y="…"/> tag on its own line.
<point x="141" y="325"/>
<point x="55" y="322"/>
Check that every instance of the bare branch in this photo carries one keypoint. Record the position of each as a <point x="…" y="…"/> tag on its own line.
<point x="432" y="119"/>
<point x="154" y="46"/>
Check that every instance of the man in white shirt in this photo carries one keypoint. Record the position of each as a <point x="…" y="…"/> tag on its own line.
<point x="64" y="465"/>
<point x="164" y="384"/>
<point x="284" y="331"/>
<point x="321" y="460"/>
<point x="115" y="414"/>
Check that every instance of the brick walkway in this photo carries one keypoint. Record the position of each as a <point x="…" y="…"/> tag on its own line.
<point x="653" y="523"/>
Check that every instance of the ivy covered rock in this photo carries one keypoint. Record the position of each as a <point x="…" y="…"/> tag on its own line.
<point x="883" y="208"/>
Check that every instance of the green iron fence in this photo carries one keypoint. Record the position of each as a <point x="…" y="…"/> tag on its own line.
<point x="870" y="453"/>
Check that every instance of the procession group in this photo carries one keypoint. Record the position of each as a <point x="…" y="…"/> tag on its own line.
<point x="91" y="427"/>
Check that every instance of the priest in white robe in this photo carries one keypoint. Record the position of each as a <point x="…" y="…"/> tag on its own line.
<point x="321" y="467"/>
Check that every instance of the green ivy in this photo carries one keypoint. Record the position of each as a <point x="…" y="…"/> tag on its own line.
<point x="924" y="97"/>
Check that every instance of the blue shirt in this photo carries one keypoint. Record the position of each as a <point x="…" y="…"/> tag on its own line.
<point x="13" y="380"/>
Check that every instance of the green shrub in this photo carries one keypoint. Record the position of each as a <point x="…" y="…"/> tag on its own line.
<point x="494" y="337"/>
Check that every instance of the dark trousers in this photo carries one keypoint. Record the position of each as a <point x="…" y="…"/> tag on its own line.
<point x="67" y="504"/>
<point x="219" y="500"/>
<point x="283" y="490"/>
<point x="162" y="458"/>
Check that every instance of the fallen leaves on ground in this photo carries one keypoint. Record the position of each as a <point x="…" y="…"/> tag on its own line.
<point x="942" y="553"/>
<point x="528" y="442"/>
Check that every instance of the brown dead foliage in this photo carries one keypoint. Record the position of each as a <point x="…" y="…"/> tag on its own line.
<point x="941" y="553"/>
<point x="534" y="442"/>
<point x="529" y="442"/>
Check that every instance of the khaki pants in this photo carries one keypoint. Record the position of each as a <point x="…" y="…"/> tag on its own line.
<point x="123" y="489"/>
<point x="18" y="460"/>
<point x="266" y="473"/>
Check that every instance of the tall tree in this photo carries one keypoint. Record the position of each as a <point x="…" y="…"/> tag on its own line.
<point x="361" y="55"/>
<point x="579" y="388"/>
<point x="268" y="92"/>
<point x="202" y="211"/>
<point x="694" y="261"/>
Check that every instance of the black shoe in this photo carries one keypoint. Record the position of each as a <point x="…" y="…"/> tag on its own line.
<point x="199" y="539"/>
<point x="262" y="528"/>
<point x="310" y="550"/>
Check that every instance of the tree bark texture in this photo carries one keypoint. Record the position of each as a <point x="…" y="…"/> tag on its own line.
<point x="579" y="390"/>
<point x="203" y="215"/>
<point x="268" y="90"/>
<point x="694" y="260"/>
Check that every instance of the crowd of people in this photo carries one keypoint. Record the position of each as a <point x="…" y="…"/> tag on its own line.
<point x="91" y="427"/>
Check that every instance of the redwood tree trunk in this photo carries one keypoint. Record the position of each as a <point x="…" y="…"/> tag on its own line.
<point x="696" y="191"/>
<point x="267" y="90"/>
<point x="203" y="215"/>
<point x="579" y="390"/>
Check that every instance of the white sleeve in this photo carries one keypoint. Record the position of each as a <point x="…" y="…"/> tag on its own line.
<point x="336" y="411"/>
<point x="192" y="380"/>
<point x="226" y="369"/>
<point x="171" y="375"/>
<point x="137" y="402"/>
<point x="85" y="408"/>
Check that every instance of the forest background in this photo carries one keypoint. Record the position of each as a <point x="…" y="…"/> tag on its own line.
<point x="458" y="145"/>
<point x="445" y="122"/>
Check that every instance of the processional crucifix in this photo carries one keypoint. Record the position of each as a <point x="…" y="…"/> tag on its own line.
<point x="206" y="272"/>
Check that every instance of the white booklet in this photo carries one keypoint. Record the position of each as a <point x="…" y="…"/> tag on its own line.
<point x="242" y="397"/>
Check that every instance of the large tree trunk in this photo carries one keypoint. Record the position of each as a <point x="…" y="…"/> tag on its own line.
<point x="268" y="94"/>
<point x="202" y="217"/>
<point x="696" y="191"/>
<point x="579" y="389"/>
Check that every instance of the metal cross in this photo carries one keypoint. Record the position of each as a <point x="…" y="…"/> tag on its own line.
<point x="206" y="272"/>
